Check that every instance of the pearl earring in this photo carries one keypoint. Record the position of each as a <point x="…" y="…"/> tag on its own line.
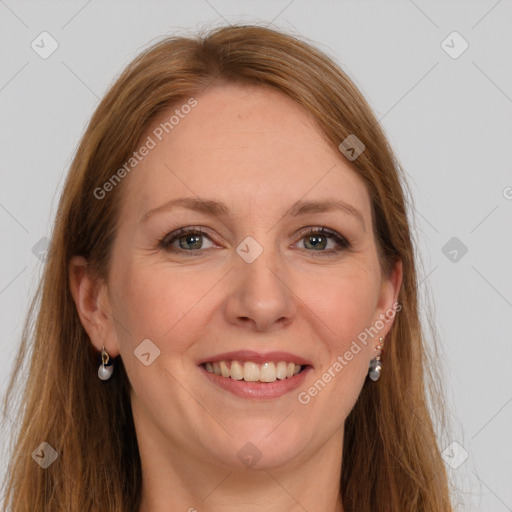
<point x="105" y="372"/>
<point x="376" y="364"/>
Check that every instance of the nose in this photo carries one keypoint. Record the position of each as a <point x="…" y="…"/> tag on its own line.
<point x="261" y="297"/>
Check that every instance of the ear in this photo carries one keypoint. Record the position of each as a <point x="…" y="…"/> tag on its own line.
<point x="388" y="300"/>
<point x="92" y="302"/>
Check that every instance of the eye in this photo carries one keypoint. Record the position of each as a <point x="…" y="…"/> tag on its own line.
<point x="189" y="239"/>
<point x="317" y="239"/>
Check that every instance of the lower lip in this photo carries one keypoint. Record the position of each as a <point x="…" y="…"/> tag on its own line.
<point x="257" y="390"/>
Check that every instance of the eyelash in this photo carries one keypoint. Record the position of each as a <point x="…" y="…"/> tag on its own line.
<point x="343" y="243"/>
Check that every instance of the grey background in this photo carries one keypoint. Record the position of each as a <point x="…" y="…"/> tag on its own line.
<point x="448" y="119"/>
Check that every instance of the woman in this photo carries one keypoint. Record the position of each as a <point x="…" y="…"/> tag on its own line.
<point x="228" y="318"/>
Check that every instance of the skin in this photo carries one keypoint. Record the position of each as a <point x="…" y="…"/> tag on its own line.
<point x="259" y="152"/>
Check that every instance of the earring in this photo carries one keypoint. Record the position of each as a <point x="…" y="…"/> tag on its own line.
<point x="376" y="364"/>
<point x="105" y="372"/>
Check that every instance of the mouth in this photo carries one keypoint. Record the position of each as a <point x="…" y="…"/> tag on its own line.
<point x="248" y="374"/>
<point x="250" y="371"/>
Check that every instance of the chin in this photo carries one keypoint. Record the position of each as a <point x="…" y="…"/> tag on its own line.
<point x="271" y="447"/>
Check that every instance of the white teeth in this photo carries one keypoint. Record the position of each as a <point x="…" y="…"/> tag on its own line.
<point x="224" y="370"/>
<point x="253" y="372"/>
<point x="268" y="372"/>
<point x="237" y="372"/>
<point x="281" y="370"/>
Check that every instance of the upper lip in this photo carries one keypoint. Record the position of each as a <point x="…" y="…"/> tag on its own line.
<point x="257" y="357"/>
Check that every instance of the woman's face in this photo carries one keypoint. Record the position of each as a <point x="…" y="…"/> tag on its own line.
<point x="255" y="286"/>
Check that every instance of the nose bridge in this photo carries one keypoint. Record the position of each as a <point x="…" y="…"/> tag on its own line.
<point x="260" y="290"/>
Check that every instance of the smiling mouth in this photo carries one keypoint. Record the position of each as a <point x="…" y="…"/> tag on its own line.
<point x="254" y="372"/>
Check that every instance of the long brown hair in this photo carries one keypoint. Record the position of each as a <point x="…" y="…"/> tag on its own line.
<point x="391" y="460"/>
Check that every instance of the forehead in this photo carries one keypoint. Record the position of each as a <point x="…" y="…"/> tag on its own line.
<point x="241" y="144"/>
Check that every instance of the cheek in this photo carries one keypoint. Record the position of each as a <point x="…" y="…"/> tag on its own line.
<point x="346" y="303"/>
<point x="345" y="307"/>
<point x="158" y="303"/>
<point x="164" y="307"/>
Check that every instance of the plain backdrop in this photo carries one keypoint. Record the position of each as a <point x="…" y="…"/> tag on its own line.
<point x="446" y="109"/>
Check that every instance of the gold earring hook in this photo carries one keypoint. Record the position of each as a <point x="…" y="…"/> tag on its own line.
<point x="104" y="356"/>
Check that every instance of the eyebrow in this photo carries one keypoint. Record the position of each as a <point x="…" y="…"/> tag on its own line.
<point x="219" y="209"/>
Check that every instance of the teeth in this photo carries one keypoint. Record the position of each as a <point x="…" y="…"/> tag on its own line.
<point x="253" y="372"/>
<point x="224" y="370"/>
<point x="281" y="370"/>
<point x="237" y="372"/>
<point x="268" y="372"/>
